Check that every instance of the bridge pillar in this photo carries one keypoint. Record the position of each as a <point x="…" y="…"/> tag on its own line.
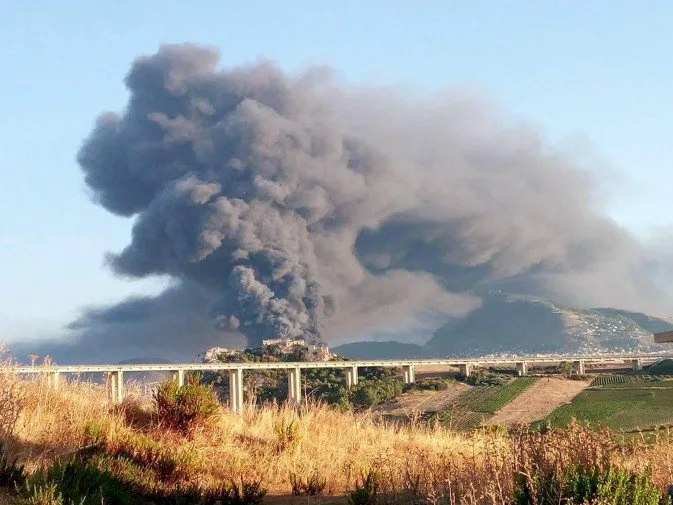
<point x="115" y="381"/>
<point x="351" y="376"/>
<point x="179" y="376"/>
<point x="578" y="367"/>
<point x="294" y="386"/>
<point x="409" y="374"/>
<point x="236" y="389"/>
<point x="465" y="369"/>
<point x="636" y="364"/>
<point x="522" y="368"/>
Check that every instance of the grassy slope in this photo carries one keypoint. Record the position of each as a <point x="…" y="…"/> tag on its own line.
<point x="269" y="443"/>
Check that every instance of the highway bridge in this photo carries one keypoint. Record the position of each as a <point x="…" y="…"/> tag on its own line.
<point x="115" y="373"/>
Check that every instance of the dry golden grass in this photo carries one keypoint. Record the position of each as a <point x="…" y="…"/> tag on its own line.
<point x="271" y="442"/>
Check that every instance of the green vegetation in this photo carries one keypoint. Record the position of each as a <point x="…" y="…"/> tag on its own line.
<point x="580" y="484"/>
<point x="607" y="380"/>
<point x="375" y="385"/>
<point x="185" y="408"/>
<point x="663" y="367"/>
<point x="11" y="472"/>
<point x="312" y="485"/>
<point x="618" y="408"/>
<point x="95" y="478"/>
<point x="480" y="377"/>
<point x="631" y="381"/>
<point x="431" y="384"/>
<point x="474" y="407"/>
<point x="366" y="490"/>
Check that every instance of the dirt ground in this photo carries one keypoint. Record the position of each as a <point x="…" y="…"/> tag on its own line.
<point x="417" y="402"/>
<point x="305" y="500"/>
<point x="538" y="401"/>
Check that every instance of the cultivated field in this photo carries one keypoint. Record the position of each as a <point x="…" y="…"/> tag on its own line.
<point x="476" y="406"/>
<point x="538" y="401"/>
<point x="619" y="408"/>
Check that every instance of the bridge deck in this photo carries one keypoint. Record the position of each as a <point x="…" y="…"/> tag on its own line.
<point x="326" y="364"/>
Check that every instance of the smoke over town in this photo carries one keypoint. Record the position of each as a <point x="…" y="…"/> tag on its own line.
<point x="292" y="205"/>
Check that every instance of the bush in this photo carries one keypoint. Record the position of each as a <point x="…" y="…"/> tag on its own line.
<point x="167" y="463"/>
<point x="369" y="393"/>
<point x="565" y="368"/>
<point x="312" y="486"/>
<point x="580" y="484"/>
<point x="432" y="384"/>
<point x="73" y="483"/>
<point x="287" y="433"/>
<point x="11" y="473"/>
<point x="41" y="494"/>
<point x="366" y="490"/>
<point x="248" y="493"/>
<point x="485" y="378"/>
<point x="184" y="408"/>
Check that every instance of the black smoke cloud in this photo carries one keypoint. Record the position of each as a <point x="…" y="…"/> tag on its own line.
<point x="291" y="205"/>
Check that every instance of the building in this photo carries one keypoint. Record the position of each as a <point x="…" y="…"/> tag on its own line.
<point x="283" y="343"/>
<point x="213" y="354"/>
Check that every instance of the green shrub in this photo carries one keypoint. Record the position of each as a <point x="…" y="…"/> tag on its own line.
<point x="41" y="494"/>
<point x="587" y="484"/>
<point x="565" y="368"/>
<point x="366" y="490"/>
<point x="432" y="384"/>
<point x="248" y="493"/>
<point x="108" y="480"/>
<point x="311" y="486"/>
<point x="168" y="463"/>
<point x="73" y="483"/>
<point x="11" y="473"/>
<point x="485" y="378"/>
<point x="287" y="433"/>
<point x="369" y="393"/>
<point x="184" y="408"/>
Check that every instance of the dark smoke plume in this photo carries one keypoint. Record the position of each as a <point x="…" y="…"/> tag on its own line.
<point x="307" y="209"/>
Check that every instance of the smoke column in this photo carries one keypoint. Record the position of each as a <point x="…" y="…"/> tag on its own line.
<point x="292" y="206"/>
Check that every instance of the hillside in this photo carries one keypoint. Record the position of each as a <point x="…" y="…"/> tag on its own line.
<point x="526" y="324"/>
<point x="71" y="447"/>
<point x="379" y="350"/>
<point x="521" y="324"/>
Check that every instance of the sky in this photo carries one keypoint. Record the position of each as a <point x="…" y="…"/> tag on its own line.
<point x="593" y="77"/>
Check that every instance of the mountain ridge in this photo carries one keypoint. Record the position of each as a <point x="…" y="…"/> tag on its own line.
<point x="512" y="323"/>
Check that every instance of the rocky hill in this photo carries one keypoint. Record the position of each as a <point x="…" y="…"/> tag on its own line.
<point x="521" y="324"/>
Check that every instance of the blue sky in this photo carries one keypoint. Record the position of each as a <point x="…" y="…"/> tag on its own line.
<point x="593" y="77"/>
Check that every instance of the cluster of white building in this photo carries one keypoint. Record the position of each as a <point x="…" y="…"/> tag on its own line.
<point x="316" y="352"/>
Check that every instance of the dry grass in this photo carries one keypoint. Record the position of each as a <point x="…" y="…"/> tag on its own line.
<point x="271" y="443"/>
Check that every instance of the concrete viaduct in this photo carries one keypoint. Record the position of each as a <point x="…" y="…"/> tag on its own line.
<point x="115" y="373"/>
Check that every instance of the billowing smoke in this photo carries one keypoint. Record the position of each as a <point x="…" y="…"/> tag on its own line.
<point x="307" y="208"/>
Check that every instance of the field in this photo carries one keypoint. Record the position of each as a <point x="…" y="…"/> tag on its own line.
<point x="416" y="402"/>
<point x="632" y="381"/>
<point x="474" y="407"/>
<point x="623" y="406"/>
<point x="538" y="401"/>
